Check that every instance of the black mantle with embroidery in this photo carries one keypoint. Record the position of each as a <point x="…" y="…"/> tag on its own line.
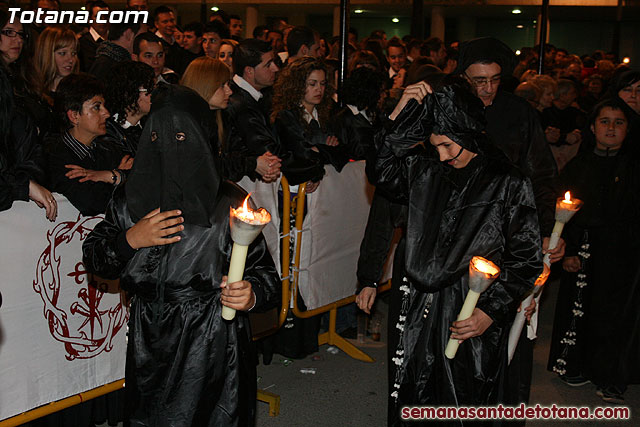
<point x="485" y="209"/>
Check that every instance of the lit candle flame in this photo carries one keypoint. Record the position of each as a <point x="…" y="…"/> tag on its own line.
<point x="246" y="214"/>
<point x="245" y="205"/>
<point x="567" y="197"/>
<point x="542" y="279"/>
<point x="485" y="266"/>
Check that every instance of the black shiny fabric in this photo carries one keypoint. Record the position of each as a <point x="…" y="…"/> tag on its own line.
<point x="21" y="160"/>
<point x="514" y="127"/>
<point x="486" y="49"/>
<point x="609" y="342"/>
<point x="299" y="139"/>
<point x="357" y="134"/>
<point x="127" y="139"/>
<point x="486" y="209"/>
<point x="175" y="167"/>
<point x="249" y="130"/>
<point x="186" y="366"/>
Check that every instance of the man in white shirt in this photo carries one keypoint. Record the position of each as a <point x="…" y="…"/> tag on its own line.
<point x="250" y="128"/>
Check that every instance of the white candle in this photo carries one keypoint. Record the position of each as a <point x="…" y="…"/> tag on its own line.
<point x="481" y="274"/>
<point x="246" y="224"/>
<point x="518" y="322"/>
<point x="565" y="209"/>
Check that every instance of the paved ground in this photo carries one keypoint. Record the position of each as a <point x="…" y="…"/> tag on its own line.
<point x="346" y="392"/>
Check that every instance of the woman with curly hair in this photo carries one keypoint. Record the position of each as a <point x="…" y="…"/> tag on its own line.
<point x="128" y="99"/>
<point x="56" y="57"/>
<point x="301" y="112"/>
<point x="210" y="79"/>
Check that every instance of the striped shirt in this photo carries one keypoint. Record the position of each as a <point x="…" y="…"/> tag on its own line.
<point x="80" y="150"/>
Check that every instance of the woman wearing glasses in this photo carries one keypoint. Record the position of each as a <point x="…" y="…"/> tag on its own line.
<point x="16" y="49"/>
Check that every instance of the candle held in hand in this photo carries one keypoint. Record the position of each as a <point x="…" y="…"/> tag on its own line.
<point x="482" y="273"/>
<point x="246" y="224"/>
<point x="565" y="210"/>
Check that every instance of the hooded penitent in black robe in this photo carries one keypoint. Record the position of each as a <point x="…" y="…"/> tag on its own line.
<point x="485" y="209"/>
<point x="595" y="330"/>
<point x="186" y="366"/>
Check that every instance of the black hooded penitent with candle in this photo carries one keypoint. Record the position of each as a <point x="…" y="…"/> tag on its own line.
<point x="185" y="364"/>
<point x="484" y="209"/>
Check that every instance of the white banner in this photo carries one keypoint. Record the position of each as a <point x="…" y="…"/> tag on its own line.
<point x="59" y="336"/>
<point x="333" y="229"/>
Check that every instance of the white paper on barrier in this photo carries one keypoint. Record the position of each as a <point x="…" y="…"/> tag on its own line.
<point x="332" y="232"/>
<point x="58" y="335"/>
<point x="266" y="196"/>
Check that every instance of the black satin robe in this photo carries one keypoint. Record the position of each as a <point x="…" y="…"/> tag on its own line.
<point x="608" y="341"/>
<point x="514" y="126"/>
<point x="186" y="366"/>
<point x="357" y="134"/>
<point x="485" y="209"/>
<point x="125" y="139"/>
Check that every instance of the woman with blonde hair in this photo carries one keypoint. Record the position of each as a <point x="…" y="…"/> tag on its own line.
<point x="55" y="58"/>
<point x="210" y="79"/>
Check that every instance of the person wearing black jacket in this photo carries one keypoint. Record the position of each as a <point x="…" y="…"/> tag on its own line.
<point x="249" y="129"/>
<point x="89" y="41"/>
<point x="595" y="334"/>
<point x="21" y="161"/>
<point x="514" y="127"/>
<point x="472" y="202"/>
<point x="116" y="49"/>
<point x="302" y="106"/>
<point x="82" y="170"/>
<point x="166" y="237"/>
<point x="357" y="123"/>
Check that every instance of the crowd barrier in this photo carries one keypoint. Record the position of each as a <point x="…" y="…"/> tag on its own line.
<point x="63" y="340"/>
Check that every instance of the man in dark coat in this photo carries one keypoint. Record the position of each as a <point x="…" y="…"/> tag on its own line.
<point x="248" y="115"/>
<point x="98" y="31"/>
<point x="166" y="236"/>
<point x="513" y="125"/>
<point x="472" y="202"/>
<point x="115" y="50"/>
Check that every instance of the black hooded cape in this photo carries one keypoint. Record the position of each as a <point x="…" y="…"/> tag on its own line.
<point x="186" y="366"/>
<point x="485" y="209"/>
<point x="605" y="344"/>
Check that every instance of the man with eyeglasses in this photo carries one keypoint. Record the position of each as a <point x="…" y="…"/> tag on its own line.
<point x="513" y="125"/>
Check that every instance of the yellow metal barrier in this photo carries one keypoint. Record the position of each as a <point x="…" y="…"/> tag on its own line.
<point x="61" y="404"/>
<point x="330" y="337"/>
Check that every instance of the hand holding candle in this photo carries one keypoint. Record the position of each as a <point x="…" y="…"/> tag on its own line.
<point x="565" y="209"/>
<point x="246" y="224"/>
<point x="482" y="273"/>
